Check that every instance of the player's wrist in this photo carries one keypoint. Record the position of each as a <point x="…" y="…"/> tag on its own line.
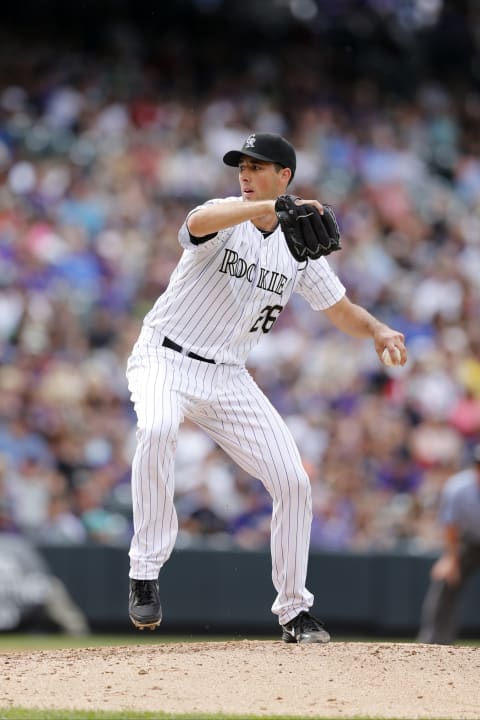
<point x="265" y="206"/>
<point x="452" y="554"/>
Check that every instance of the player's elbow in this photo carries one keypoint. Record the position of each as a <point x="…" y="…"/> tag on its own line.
<point x="198" y="225"/>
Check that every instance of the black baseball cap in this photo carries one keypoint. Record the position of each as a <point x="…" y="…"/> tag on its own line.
<point x="265" y="146"/>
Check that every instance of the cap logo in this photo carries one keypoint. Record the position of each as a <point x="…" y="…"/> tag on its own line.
<point x="250" y="141"/>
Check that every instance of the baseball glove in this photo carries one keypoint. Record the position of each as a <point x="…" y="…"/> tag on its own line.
<point x="308" y="234"/>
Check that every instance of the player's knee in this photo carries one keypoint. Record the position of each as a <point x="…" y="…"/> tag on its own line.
<point x="159" y="434"/>
<point x="305" y="488"/>
<point x="299" y="483"/>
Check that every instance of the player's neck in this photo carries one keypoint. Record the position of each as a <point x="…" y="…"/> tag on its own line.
<point x="265" y="224"/>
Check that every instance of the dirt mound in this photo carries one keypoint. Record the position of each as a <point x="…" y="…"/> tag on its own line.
<point x="387" y="680"/>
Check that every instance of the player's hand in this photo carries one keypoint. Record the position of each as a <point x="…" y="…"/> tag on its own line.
<point x="447" y="568"/>
<point x="310" y="228"/>
<point x="386" y="337"/>
<point x="316" y="204"/>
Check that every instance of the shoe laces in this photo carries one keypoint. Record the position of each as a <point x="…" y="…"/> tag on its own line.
<point x="145" y="592"/>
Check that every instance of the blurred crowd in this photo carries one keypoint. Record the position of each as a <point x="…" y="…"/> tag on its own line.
<point x="100" y="160"/>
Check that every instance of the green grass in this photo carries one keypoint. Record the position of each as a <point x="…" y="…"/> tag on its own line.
<point x="99" y="715"/>
<point x="16" y="641"/>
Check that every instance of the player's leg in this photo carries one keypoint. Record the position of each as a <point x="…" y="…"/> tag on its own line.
<point x="439" y="618"/>
<point x="158" y="408"/>
<point x="251" y="431"/>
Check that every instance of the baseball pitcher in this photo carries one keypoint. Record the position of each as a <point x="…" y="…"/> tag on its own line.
<point x="243" y="258"/>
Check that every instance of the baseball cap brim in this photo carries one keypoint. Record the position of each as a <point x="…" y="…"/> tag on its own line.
<point x="232" y="158"/>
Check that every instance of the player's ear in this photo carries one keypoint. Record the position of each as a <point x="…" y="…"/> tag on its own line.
<point x="286" y="175"/>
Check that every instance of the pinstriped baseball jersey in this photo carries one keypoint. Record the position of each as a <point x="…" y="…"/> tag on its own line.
<point x="224" y="294"/>
<point x="227" y="292"/>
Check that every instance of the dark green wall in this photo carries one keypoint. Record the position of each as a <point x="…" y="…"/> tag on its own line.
<point x="230" y="591"/>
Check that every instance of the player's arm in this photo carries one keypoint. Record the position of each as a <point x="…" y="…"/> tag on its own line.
<point x="447" y="567"/>
<point x="210" y="219"/>
<point x="358" y="322"/>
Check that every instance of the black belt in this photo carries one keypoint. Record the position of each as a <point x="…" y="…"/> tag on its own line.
<point x="178" y="348"/>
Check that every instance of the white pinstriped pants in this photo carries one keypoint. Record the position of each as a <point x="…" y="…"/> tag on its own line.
<point x="225" y="401"/>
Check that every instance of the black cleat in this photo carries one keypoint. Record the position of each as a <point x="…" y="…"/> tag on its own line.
<point x="144" y="606"/>
<point x="304" y="629"/>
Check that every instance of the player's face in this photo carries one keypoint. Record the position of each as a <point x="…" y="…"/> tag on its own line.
<point x="261" y="180"/>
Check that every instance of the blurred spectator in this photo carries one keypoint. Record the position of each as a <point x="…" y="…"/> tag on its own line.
<point x="61" y="525"/>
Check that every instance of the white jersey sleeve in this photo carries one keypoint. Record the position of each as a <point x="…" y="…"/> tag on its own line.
<point x="319" y="285"/>
<point x="219" y="238"/>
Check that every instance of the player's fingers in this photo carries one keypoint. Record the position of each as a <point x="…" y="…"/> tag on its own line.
<point x="317" y="205"/>
<point x="400" y="345"/>
<point x="398" y="350"/>
<point x="396" y="344"/>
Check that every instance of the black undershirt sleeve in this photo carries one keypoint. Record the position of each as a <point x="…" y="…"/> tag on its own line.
<point x="201" y="240"/>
